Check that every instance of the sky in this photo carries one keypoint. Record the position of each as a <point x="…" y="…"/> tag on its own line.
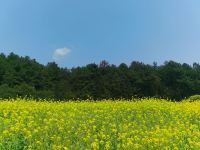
<point x="78" y="32"/>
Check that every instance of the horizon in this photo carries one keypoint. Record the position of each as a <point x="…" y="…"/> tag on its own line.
<point x="97" y="63"/>
<point x="76" y="33"/>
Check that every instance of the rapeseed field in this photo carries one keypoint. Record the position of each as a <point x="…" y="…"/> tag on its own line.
<point x="144" y="124"/>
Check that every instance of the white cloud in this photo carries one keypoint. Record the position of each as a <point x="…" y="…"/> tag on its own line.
<point x="61" y="52"/>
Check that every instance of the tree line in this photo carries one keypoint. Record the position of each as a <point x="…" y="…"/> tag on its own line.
<point x="23" y="76"/>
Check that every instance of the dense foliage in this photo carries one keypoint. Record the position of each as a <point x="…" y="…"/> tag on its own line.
<point x="22" y="76"/>
<point x="109" y="125"/>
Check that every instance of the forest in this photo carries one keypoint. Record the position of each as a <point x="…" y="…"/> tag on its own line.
<point x="25" y="77"/>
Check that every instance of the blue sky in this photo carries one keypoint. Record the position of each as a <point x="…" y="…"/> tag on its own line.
<point x="78" y="32"/>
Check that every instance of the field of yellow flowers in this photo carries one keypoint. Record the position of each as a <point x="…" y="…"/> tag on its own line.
<point x="144" y="124"/>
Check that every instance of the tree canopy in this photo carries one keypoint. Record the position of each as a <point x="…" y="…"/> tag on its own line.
<point x="23" y="76"/>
